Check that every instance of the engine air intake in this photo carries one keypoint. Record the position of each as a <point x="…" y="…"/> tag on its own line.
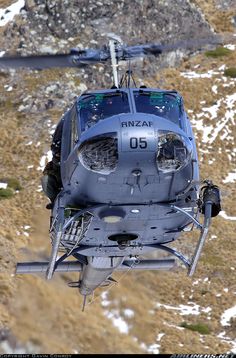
<point x="174" y="151"/>
<point x="99" y="154"/>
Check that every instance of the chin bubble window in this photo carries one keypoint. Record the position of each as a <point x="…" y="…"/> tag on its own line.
<point x="173" y="151"/>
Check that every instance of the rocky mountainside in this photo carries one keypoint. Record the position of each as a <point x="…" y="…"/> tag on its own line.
<point x="146" y="312"/>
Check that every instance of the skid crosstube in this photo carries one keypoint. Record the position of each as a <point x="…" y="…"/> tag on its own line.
<point x="75" y="266"/>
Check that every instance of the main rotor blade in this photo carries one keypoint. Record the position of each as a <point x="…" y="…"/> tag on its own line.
<point x="82" y="58"/>
<point x="38" y="62"/>
<point x="157" y="49"/>
<point x="76" y="58"/>
<point x="194" y="44"/>
<point x="139" y="51"/>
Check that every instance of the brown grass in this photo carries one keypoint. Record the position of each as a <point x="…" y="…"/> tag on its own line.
<point x="48" y="314"/>
<point x="6" y="3"/>
<point x="219" y="19"/>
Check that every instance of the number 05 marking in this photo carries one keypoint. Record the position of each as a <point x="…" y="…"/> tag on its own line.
<point x="138" y="143"/>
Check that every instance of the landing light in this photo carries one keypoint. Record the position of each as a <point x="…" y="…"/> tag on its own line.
<point x="135" y="211"/>
<point x="112" y="219"/>
<point x="112" y="215"/>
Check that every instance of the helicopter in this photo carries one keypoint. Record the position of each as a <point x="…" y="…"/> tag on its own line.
<point x="129" y="175"/>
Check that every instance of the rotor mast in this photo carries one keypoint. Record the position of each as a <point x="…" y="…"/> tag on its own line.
<point x="114" y="61"/>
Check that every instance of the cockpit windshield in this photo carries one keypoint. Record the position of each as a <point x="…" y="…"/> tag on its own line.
<point x="162" y="104"/>
<point x="97" y="106"/>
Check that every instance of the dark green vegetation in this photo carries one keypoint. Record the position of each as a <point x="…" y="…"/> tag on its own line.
<point x="198" y="327"/>
<point x="13" y="183"/>
<point x="12" y="186"/>
<point x="218" y="52"/>
<point x="6" y="193"/>
<point x="230" y="72"/>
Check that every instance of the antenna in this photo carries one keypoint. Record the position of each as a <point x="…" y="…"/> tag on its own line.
<point x="84" y="303"/>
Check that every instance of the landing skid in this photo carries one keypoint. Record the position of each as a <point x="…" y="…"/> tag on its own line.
<point x="61" y="265"/>
<point x="96" y="266"/>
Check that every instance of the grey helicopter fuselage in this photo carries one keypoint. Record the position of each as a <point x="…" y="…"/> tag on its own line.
<point x="130" y="179"/>
<point x="132" y="186"/>
<point x="129" y="174"/>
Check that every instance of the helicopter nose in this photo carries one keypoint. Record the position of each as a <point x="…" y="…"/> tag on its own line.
<point x="134" y="142"/>
<point x="137" y="136"/>
<point x="143" y="143"/>
<point x="137" y="144"/>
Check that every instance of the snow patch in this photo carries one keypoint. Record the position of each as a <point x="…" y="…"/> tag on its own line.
<point x="200" y="280"/>
<point x="230" y="178"/>
<point x="193" y="74"/>
<point x="8" y="88"/>
<point x="226" y="217"/>
<point x="207" y="310"/>
<point x="222" y="68"/>
<point x="190" y="309"/>
<point x="117" y="321"/>
<point x="210" y="132"/>
<point x="44" y="160"/>
<point x="8" y="348"/>
<point x="154" y="348"/>
<point x="3" y="185"/>
<point x="172" y="325"/>
<point x="213" y="237"/>
<point x="230" y="47"/>
<point x="128" y="313"/>
<point x="227" y="339"/>
<point x="105" y="301"/>
<point x="9" y="13"/>
<point x="214" y="89"/>
<point x="227" y="315"/>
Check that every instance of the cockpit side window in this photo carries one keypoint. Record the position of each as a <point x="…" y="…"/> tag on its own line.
<point x="162" y="104"/>
<point x="97" y="106"/>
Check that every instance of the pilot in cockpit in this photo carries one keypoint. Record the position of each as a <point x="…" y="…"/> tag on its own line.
<point x="90" y="118"/>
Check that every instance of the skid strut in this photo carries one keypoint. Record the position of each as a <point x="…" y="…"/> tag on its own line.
<point x="210" y="206"/>
<point x="55" y="244"/>
<point x="204" y="232"/>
